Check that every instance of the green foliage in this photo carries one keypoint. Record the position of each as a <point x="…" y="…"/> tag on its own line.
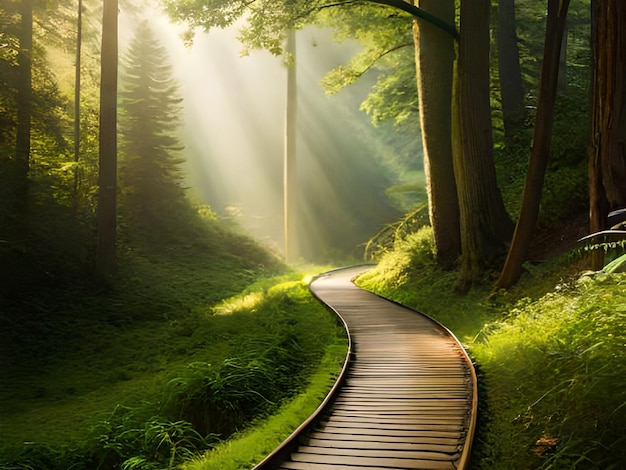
<point x="154" y="443"/>
<point x="554" y="368"/>
<point x="249" y="447"/>
<point x="386" y="239"/>
<point x="150" y="172"/>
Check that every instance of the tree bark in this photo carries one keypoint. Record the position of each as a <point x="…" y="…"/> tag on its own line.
<point x="509" y="70"/>
<point x="24" y="101"/>
<point x="485" y="225"/>
<point x="434" y="59"/>
<point x="562" y="79"/>
<point x="290" y="163"/>
<point x="512" y="270"/>
<point x="607" y="156"/>
<point x="106" y="254"/>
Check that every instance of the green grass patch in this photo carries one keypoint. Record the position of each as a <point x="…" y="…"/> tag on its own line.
<point x="248" y="448"/>
<point x="554" y="371"/>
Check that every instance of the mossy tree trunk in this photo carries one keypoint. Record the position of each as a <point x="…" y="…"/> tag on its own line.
<point x="434" y="59"/>
<point x="485" y="225"/>
<point x="607" y="158"/>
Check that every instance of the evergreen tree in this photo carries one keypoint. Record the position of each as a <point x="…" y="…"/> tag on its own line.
<point x="150" y="174"/>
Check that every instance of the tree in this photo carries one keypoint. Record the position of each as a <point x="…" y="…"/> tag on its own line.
<point x="434" y="60"/>
<point x="290" y="164"/>
<point x="24" y="98"/>
<point x="79" y="43"/>
<point x="267" y="32"/>
<point x="485" y="225"/>
<point x="607" y="155"/>
<point x="512" y="270"/>
<point x="106" y="251"/>
<point x="509" y="70"/>
<point x="150" y="112"/>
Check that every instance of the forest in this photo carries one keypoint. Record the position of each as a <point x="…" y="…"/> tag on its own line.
<point x="173" y="173"/>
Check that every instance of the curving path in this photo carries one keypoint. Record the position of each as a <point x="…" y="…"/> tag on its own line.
<point x="407" y="399"/>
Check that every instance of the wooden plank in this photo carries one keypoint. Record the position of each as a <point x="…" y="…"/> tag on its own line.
<point x="449" y="448"/>
<point x="408" y="464"/>
<point x="393" y="432"/>
<point x="359" y="427"/>
<point x="387" y="454"/>
<point x="403" y="421"/>
<point x="423" y="410"/>
<point x="429" y="436"/>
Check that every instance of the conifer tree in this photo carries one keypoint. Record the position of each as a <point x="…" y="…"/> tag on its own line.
<point x="150" y="174"/>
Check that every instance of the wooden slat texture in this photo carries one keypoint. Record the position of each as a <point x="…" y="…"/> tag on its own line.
<point x="407" y="401"/>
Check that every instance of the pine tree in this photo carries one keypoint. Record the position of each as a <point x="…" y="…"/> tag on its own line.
<point x="150" y="173"/>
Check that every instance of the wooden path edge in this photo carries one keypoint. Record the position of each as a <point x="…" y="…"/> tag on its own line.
<point x="290" y="444"/>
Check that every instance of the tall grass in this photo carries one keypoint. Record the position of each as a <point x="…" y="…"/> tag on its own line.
<point x="555" y="371"/>
<point x="247" y="448"/>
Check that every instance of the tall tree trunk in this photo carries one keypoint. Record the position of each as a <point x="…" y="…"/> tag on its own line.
<point x="290" y="164"/>
<point x="485" y="225"/>
<point x="79" y="41"/>
<point x="509" y="70"/>
<point x="607" y="156"/>
<point x="106" y="255"/>
<point x="512" y="270"/>
<point x="562" y="80"/>
<point x="24" y="100"/>
<point x="434" y="59"/>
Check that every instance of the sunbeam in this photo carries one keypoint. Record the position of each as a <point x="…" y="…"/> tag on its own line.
<point x="234" y="112"/>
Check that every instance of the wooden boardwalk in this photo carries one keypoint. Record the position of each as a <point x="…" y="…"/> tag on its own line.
<point x="406" y="401"/>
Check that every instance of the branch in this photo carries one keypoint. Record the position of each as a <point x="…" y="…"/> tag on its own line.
<point x="380" y="56"/>
<point x="419" y="13"/>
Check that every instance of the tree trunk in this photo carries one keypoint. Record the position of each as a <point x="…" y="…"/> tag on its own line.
<point x="79" y="41"/>
<point x="107" y="177"/>
<point x="434" y="59"/>
<point x="24" y="101"/>
<point x="562" y="80"/>
<point x="510" y="72"/>
<point x="512" y="270"/>
<point x="485" y="225"/>
<point x="290" y="164"/>
<point x="607" y="156"/>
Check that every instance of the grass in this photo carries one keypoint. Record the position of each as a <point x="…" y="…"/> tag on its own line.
<point x="189" y="344"/>
<point x="550" y="353"/>
<point x="554" y="370"/>
<point x="250" y="447"/>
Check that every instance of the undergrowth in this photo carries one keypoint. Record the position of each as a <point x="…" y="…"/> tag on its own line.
<point x="187" y="345"/>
